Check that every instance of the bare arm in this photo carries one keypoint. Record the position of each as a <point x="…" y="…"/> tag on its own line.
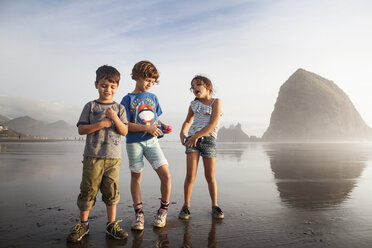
<point x="186" y="124"/>
<point x="91" y="128"/>
<point x="216" y="112"/>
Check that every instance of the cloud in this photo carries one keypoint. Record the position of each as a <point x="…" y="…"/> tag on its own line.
<point x="248" y="49"/>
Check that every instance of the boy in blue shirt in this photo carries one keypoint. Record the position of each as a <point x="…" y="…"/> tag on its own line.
<point x="103" y="121"/>
<point x="143" y="110"/>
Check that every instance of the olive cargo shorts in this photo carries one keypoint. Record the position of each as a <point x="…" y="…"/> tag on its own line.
<point x="99" y="174"/>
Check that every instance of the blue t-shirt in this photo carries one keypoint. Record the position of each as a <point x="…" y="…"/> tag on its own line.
<point x="142" y="108"/>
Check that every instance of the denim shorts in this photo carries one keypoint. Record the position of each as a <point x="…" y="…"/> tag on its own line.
<point x="148" y="148"/>
<point x="205" y="146"/>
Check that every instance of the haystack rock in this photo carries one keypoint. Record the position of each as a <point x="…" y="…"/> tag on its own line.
<point x="312" y="108"/>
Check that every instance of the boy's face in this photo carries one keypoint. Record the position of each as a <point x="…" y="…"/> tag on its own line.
<point x="106" y="90"/>
<point x="143" y="85"/>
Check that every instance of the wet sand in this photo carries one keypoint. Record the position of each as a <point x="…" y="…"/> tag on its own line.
<point x="273" y="195"/>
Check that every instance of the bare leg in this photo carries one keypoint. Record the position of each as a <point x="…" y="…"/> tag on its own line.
<point x="192" y="161"/>
<point x="165" y="182"/>
<point x="209" y="170"/>
<point x="111" y="213"/>
<point x="135" y="187"/>
<point x="84" y="215"/>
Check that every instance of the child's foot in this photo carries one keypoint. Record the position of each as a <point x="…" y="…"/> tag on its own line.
<point x="78" y="232"/>
<point x="184" y="213"/>
<point x="139" y="222"/>
<point x="114" y="230"/>
<point x="217" y="212"/>
<point x="160" y="218"/>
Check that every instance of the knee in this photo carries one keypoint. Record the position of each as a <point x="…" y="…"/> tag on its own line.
<point x="210" y="179"/>
<point x="136" y="178"/>
<point x="190" y="179"/>
<point x="166" y="178"/>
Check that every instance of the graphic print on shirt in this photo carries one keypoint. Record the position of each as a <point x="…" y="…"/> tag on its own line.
<point x="144" y="112"/>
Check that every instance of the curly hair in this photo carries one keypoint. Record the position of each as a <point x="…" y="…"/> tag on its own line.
<point x="145" y="69"/>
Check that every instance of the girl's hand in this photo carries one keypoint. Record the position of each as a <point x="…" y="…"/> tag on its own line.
<point x="183" y="138"/>
<point x="154" y="130"/>
<point x="106" y="122"/>
<point x="192" y="141"/>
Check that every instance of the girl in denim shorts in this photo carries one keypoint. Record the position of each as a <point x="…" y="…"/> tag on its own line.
<point x="202" y="125"/>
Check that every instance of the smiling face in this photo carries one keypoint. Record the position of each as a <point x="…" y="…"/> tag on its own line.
<point x="106" y="90"/>
<point x="143" y="85"/>
<point x="199" y="89"/>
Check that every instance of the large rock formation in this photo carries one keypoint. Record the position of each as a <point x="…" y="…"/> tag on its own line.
<point x="312" y="108"/>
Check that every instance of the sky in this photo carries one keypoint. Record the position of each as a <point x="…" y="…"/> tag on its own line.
<point x="49" y="51"/>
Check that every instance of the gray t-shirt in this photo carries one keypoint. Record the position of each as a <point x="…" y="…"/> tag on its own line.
<point x="106" y="142"/>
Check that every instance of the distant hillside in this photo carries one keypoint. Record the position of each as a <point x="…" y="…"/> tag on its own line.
<point x="3" y="119"/>
<point x="30" y="126"/>
<point x="234" y="134"/>
<point x="312" y="108"/>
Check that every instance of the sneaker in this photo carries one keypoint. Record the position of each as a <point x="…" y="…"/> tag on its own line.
<point x="139" y="222"/>
<point x="217" y="212"/>
<point x="184" y="213"/>
<point x="78" y="232"/>
<point x="114" y="230"/>
<point x="160" y="218"/>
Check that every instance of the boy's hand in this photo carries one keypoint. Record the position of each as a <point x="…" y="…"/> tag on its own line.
<point x="154" y="130"/>
<point x="167" y="129"/>
<point x="111" y="114"/>
<point x="106" y="122"/>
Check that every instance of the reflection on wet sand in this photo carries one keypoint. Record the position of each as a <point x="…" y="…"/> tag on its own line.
<point x="162" y="241"/>
<point x="212" y="235"/>
<point x="234" y="150"/>
<point x="114" y="243"/>
<point x="137" y="237"/>
<point x="315" y="175"/>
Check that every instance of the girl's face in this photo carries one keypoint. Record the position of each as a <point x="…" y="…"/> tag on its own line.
<point x="199" y="89"/>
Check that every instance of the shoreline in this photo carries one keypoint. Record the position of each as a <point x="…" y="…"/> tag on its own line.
<point x="16" y="139"/>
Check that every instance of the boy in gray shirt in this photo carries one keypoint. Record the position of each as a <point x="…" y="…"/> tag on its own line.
<point x="103" y="121"/>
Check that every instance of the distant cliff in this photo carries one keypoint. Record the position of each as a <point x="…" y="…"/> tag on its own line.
<point x="312" y="108"/>
<point x="3" y="119"/>
<point x="234" y="133"/>
<point x="29" y="126"/>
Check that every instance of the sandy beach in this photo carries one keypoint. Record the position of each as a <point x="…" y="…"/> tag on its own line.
<point x="273" y="195"/>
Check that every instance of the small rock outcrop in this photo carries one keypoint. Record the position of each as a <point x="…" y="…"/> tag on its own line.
<point x="234" y="133"/>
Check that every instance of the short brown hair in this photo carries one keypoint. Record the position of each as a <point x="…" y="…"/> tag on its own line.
<point x="145" y="69"/>
<point x="109" y="73"/>
<point x="206" y="81"/>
